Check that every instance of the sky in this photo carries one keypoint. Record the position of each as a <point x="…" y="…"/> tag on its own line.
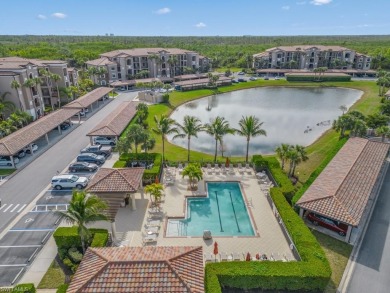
<point x="194" y="18"/>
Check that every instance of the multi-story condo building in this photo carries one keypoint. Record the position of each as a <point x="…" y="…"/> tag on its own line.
<point x="149" y="62"/>
<point x="310" y="57"/>
<point x="29" y="84"/>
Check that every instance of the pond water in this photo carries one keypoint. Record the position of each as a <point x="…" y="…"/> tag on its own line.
<point x="290" y="115"/>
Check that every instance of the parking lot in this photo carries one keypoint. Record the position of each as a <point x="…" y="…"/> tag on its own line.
<point x="21" y="244"/>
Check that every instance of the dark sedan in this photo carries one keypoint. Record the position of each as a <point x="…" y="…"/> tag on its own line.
<point x="82" y="167"/>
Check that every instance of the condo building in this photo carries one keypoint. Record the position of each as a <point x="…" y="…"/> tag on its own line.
<point x="121" y="65"/>
<point x="29" y="85"/>
<point x="309" y="57"/>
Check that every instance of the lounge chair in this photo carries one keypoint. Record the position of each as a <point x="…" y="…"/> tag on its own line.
<point x="223" y="170"/>
<point x="146" y="239"/>
<point x="240" y="169"/>
<point x="153" y="223"/>
<point x="180" y="168"/>
<point x="208" y="257"/>
<point x="237" y="256"/>
<point x="154" y="216"/>
<point x="248" y="169"/>
<point x="152" y="230"/>
<point x="209" y="169"/>
<point x="216" y="169"/>
<point x="225" y="257"/>
<point x="231" y="170"/>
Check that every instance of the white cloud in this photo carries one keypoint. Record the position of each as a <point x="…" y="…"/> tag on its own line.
<point x="320" y="2"/>
<point x="200" y="25"/>
<point x="59" y="15"/>
<point x="286" y="7"/>
<point x="164" y="10"/>
<point x="41" y="16"/>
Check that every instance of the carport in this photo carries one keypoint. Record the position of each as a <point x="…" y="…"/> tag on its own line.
<point x="13" y="143"/>
<point x="88" y="99"/>
<point x="114" y="124"/>
<point x="116" y="185"/>
<point x="127" y="84"/>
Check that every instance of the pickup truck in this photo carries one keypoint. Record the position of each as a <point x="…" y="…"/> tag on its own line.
<point x="100" y="150"/>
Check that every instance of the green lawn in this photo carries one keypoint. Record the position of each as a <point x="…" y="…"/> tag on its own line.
<point x="337" y="253"/>
<point x="4" y="172"/>
<point x="53" y="277"/>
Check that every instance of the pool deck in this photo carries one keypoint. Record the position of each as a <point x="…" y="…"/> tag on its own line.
<point x="269" y="239"/>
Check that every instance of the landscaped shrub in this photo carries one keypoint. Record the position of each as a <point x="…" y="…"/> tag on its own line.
<point x="120" y="164"/>
<point x="62" y="288"/>
<point x="75" y="255"/>
<point x="149" y="174"/>
<point x="67" y="237"/>
<point x="315" y="78"/>
<point x="100" y="239"/>
<point x="259" y="163"/>
<point x="165" y="98"/>
<point x="319" y="169"/>
<point x="312" y="273"/>
<point x="24" y="288"/>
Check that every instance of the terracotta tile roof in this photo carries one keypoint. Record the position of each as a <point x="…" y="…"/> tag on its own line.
<point x="89" y="98"/>
<point x="144" y="52"/>
<point x="140" y="269"/>
<point x="18" y="62"/>
<point x="14" y="142"/>
<point x="123" y="180"/>
<point x="116" y="122"/>
<point x="122" y="82"/>
<point x="100" y="62"/>
<point x="343" y="188"/>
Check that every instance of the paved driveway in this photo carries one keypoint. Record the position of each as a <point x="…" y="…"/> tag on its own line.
<point x="372" y="268"/>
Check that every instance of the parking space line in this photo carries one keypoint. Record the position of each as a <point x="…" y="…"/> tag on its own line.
<point x="19" y="246"/>
<point x="32" y="229"/>
<point x="3" y="206"/>
<point x="15" y="208"/>
<point x="23" y="206"/>
<point x="15" y="265"/>
<point x="8" y="207"/>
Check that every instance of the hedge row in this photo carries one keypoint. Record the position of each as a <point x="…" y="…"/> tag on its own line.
<point x="68" y="237"/>
<point x="312" y="273"/>
<point x="149" y="174"/>
<point x="319" y="169"/>
<point x="24" y="288"/>
<point x="62" y="288"/>
<point x="316" y="78"/>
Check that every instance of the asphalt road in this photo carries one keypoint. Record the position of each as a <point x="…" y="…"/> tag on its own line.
<point x="23" y="188"/>
<point x="372" y="269"/>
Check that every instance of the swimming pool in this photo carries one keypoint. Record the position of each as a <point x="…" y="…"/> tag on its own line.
<point x="223" y="212"/>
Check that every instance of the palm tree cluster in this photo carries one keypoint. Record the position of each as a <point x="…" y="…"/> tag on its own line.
<point x="383" y="81"/>
<point x="293" y="154"/>
<point x="357" y="124"/>
<point x="137" y="134"/>
<point x="15" y="118"/>
<point x="250" y="126"/>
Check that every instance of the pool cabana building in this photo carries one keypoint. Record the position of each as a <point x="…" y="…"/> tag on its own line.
<point x="346" y="189"/>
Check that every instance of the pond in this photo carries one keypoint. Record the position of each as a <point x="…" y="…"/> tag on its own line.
<point x="290" y="115"/>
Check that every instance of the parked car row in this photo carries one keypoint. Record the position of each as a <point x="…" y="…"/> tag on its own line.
<point x="102" y="140"/>
<point x="69" y="181"/>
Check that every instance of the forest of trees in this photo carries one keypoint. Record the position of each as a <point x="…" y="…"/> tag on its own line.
<point x="225" y="51"/>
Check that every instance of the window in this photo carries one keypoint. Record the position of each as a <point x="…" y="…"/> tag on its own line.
<point x="113" y="75"/>
<point x="119" y="75"/>
<point x="193" y="58"/>
<point x="114" y="59"/>
<point x="368" y="60"/>
<point x="112" y="68"/>
<point x="359" y="65"/>
<point x="128" y="61"/>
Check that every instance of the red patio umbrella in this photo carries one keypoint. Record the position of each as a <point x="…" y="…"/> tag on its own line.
<point x="156" y="180"/>
<point x="257" y="256"/>
<point x="227" y="163"/>
<point x="215" y="249"/>
<point x="248" y="257"/>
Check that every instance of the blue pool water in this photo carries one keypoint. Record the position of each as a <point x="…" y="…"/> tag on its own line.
<point x="223" y="212"/>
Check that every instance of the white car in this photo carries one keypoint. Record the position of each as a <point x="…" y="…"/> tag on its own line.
<point x="104" y="140"/>
<point x="6" y="161"/>
<point x="68" y="181"/>
<point x="27" y="148"/>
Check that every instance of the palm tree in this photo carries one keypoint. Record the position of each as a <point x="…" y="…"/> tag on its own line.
<point x="343" y="123"/>
<point x="383" y="131"/>
<point x="172" y="64"/>
<point x="250" y="126"/>
<point x="343" y="109"/>
<point x="16" y="86"/>
<point x="164" y="127"/>
<point x="123" y="146"/>
<point x="194" y="173"/>
<point x="25" y="117"/>
<point x="155" y="191"/>
<point x="56" y="78"/>
<point x="282" y="152"/>
<point x="142" y="111"/>
<point x="296" y="154"/>
<point x="16" y="120"/>
<point x="218" y="128"/>
<point x="136" y="134"/>
<point x="148" y="143"/>
<point x="5" y="106"/>
<point x="84" y="209"/>
<point x="359" y="128"/>
<point x="7" y="127"/>
<point x="191" y="127"/>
